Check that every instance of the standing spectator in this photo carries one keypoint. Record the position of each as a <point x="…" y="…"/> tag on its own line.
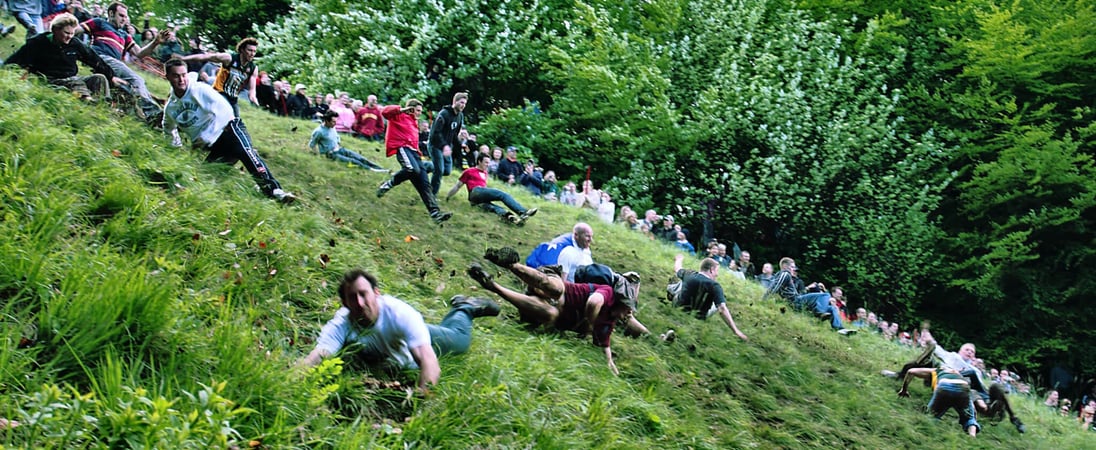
<point x="606" y="209"/>
<point x="319" y="107"/>
<point x="54" y="56"/>
<point x="369" y="124"/>
<point x="265" y="92"/>
<point x="384" y="329"/>
<point x="443" y="133"/>
<point x="195" y="44"/>
<point x="207" y="119"/>
<point x="345" y="121"/>
<point x="402" y="141"/>
<point x="666" y="231"/>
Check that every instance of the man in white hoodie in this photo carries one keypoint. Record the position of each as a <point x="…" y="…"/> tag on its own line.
<point x="207" y="119"/>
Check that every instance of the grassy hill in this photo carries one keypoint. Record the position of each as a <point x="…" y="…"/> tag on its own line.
<point x="150" y="300"/>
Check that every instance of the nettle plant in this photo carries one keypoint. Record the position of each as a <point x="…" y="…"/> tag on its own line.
<point x="62" y="417"/>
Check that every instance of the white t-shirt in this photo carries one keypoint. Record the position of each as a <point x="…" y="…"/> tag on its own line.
<point x="572" y="257"/>
<point x="399" y="328"/>
<point x="202" y="113"/>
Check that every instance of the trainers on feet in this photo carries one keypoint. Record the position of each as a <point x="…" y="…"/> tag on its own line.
<point x="889" y="373"/>
<point x="378" y="169"/>
<point x="668" y="336"/>
<point x="510" y="218"/>
<point x="5" y="31"/>
<point x="384" y="188"/>
<point x="528" y="213"/>
<point x="481" y="276"/>
<point x="283" y="196"/>
<point x="504" y="257"/>
<point x="440" y="216"/>
<point x="1019" y="425"/>
<point x="478" y="306"/>
<point x="846" y="331"/>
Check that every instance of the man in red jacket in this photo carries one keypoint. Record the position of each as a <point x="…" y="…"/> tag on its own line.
<point x="402" y="141"/>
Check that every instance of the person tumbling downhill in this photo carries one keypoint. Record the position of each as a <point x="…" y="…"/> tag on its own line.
<point x="402" y="141"/>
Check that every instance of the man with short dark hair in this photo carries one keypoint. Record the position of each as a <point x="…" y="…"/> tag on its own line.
<point x="327" y="141"/>
<point x="110" y="40"/>
<point x="402" y="141"/>
<point x="701" y="293"/>
<point x="206" y="118"/>
<point x="443" y="138"/>
<point x="484" y="197"/>
<point x="385" y="330"/>
<point x="510" y="169"/>
<point x="54" y="56"/>
<point x="238" y="72"/>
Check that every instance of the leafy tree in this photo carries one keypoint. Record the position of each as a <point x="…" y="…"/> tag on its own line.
<point x="225" y="23"/>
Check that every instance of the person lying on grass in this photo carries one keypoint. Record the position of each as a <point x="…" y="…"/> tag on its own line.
<point x="585" y="308"/>
<point x="383" y="330"/>
<point x="484" y="197"/>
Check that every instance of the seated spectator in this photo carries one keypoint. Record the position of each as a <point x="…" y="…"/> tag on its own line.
<point x="766" y="275"/>
<point x="344" y="123"/>
<point x="624" y="210"/>
<point x="569" y="197"/>
<point x="318" y="108"/>
<point x="298" y="102"/>
<point x="837" y="296"/>
<point x="892" y="332"/>
<point x="582" y="307"/>
<point x="369" y="123"/>
<point x="719" y="254"/>
<point x="666" y="231"/>
<point x="1066" y="408"/>
<point x="1051" y="400"/>
<point x="652" y="219"/>
<point x="646" y="231"/>
<point x="170" y="47"/>
<point x="549" y="186"/>
<point x="475" y="178"/>
<point x="631" y="220"/>
<point x="1087" y="415"/>
<point x="861" y="320"/>
<point x="54" y="55"/>
<point x="684" y="245"/>
<point x="496" y="158"/>
<point x="510" y="170"/>
<point x="745" y="267"/>
<point x="905" y="339"/>
<point x="532" y="178"/>
<point x="814" y="298"/>
<point x="384" y="330"/>
<point x="589" y="197"/>
<point x="326" y="140"/>
<point x="701" y="293"/>
<point x="606" y="209"/>
<point x="882" y="328"/>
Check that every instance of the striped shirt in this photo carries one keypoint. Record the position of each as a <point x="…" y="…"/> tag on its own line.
<point x="106" y="39"/>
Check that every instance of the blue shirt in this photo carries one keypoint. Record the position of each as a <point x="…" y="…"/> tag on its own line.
<point x="327" y="139"/>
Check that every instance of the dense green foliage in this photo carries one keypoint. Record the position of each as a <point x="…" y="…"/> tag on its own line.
<point x="154" y="301"/>
<point x="934" y="158"/>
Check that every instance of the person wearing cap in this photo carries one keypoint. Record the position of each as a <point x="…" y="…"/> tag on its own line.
<point x="298" y="102"/>
<point x="443" y="138"/>
<point x="666" y="231"/>
<point x="702" y="294"/>
<point x="327" y="141"/>
<point x="510" y="169"/>
<point x="585" y="308"/>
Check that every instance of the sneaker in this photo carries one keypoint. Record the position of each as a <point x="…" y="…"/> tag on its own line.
<point x="379" y="170"/>
<point x="481" y="276"/>
<point x="478" y="306"/>
<point x="846" y="331"/>
<point x="283" y="196"/>
<point x="1019" y="425"/>
<point x="668" y="336"/>
<point x="5" y="31"/>
<point x="528" y="213"/>
<point x="384" y="188"/>
<point x="440" y="216"/>
<point x="504" y="257"/>
<point x="510" y="218"/>
<point x="889" y="373"/>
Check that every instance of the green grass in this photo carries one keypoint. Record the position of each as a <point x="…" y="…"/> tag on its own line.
<point x="151" y="300"/>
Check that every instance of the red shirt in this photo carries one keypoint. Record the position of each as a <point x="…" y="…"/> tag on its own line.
<point x="403" y="130"/>
<point x="572" y="313"/>
<point x="473" y="177"/>
<point x="369" y="122"/>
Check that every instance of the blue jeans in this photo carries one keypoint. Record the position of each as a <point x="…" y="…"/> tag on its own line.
<point x="443" y="166"/>
<point x="349" y="156"/>
<point x="483" y="196"/>
<point x="32" y="22"/>
<point x="819" y="303"/>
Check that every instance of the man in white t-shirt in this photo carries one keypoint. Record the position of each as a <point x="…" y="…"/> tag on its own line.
<point x="579" y="253"/>
<point x="207" y="119"/>
<point x="385" y="330"/>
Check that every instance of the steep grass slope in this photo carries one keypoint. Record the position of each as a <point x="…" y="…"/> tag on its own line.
<point x="153" y="301"/>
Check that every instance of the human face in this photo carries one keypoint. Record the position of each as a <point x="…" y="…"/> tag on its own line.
<point x="497" y="154"/>
<point x="584" y="237"/>
<point x="459" y="104"/>
<point x="967" y="352"/>
<point x="838" y="294"/>
<point x="248" y="53"/>
<point x="120" y="17"/>
<point x="483" y="164"/>
<point x="767" y="269"/>
<point x="329" y="123"/>
<point x="62" y="35"/>
<point x="176" y="77"/>
<point x="744" y="256"/>
<point x="371" y="100"/>
<point x="366" y="297"/>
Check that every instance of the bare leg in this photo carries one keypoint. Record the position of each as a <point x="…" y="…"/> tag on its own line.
<point x="545" y="286"/>
<point x="532" y="309"/>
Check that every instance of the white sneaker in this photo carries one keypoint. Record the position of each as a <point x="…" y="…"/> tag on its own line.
<point x="888" y="373"/>
<point x="283" y="196"/>
<point x="846" y="331"/>
<point x="176" y="141"/>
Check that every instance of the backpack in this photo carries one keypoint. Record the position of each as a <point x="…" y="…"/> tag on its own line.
<point x="625" y="286"/>
<point x="594" y="273"/>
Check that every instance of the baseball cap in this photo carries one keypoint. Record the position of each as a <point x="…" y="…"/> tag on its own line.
<point x="298" y="87"/>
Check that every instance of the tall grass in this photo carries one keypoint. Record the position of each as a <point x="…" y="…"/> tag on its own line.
<point x="151" y="300"/>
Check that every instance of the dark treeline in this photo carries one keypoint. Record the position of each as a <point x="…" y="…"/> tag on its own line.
<point x="933" y="157"/>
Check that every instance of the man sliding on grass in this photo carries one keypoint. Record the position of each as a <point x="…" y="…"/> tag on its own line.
<point x="581" y="307"/>
<point x="386" y="331"/>
<point x="484" y="197"/>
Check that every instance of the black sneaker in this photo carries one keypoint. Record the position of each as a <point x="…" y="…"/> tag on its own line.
<point x="503" y="257"/>
<point x="5" y="31"/>
<point x="478" y="306"/>
<point x="440" y="216"/>
<point x="510" y="218"/>
<point x="1019" y="425"/>
<point x="481" y="276"/>
<point x="384" y="188"/>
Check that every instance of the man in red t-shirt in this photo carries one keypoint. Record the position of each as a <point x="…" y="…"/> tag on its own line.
<point x="369" y="123"/>
<point x="481" y="195"/>
<point x="402" y="141"/>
